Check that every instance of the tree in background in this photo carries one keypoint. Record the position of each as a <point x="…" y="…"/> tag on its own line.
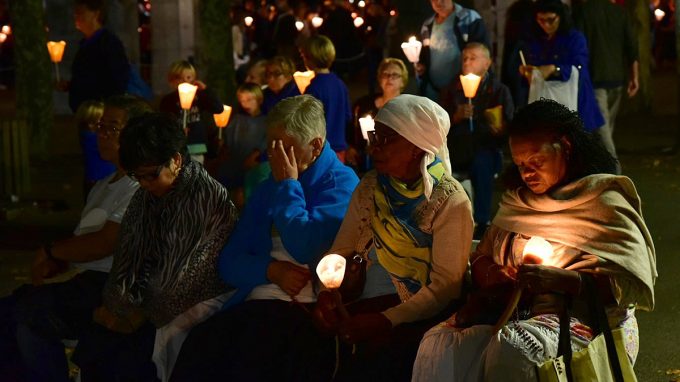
<point x="215" y="48"/>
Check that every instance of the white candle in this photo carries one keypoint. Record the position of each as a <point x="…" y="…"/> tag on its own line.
<point x="331" y="270"/>
<point x="303" y="79"/>
<point x="540" y="248"/>
<point x="659" y="14"/>
<point x="367" y="124"/>
<point x="187" y="92"/>
<point x="299" y="25"/>
<point x="248" y="21"/>
<point x="359" y="21"/>
<point x="317" y="21"/>
<point x="412" y="49"/>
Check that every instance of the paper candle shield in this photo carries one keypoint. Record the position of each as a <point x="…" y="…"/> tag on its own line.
<point x="222" y="119"/>
<point x="331" y="270"/>
<point x="470" y="84"/>
<point x="187" y="92"/>
<point x="56" y="50"/>
<point x="367" y="124"/>
<point x="317" y="21"/>
<point x="248" y="20"/>
<point x="412" y="49"/>
<point x="302" y="80"/>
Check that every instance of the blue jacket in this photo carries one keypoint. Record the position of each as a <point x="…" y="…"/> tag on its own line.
<point x="563" y="51"/>
<point x="306" y="213"/>
<point x="332" y="92"/>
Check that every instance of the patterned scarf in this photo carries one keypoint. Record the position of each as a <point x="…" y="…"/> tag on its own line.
<point x="403" y="249"/>
<point x="165" y="261"/>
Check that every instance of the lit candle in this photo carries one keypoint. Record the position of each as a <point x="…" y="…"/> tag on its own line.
<point x="393" y="13"/>
<point x="470" y="84"/>
<point x="187" y="92"/>
<point x="412" y="49"/>
<point x="56" y="51"/>
<point x="248" y="21"/>
<point x="3" y="37"/>
<point x="354" y="15"/>
<point x="331" y="270"/>
<point x="539" y="248"/>
<point x="367" y="124"/>
<point x="659" y="14"/>
<point x="6" y="29"/>
<point x="359" y="21"/>
<point x="317" y="21"/>
<point x="303" y="79"/>
<point x="299" y="25"/>
<point x="361" y="4"/>
<point x="222" y="119"/>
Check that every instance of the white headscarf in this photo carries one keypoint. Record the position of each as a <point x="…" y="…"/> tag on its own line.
<point x="425" y="124"/>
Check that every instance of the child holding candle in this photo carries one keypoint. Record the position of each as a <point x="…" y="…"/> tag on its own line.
<point x="205" y="102"/>
<point x="243" y="141"/>
<point x="476" y="152"/>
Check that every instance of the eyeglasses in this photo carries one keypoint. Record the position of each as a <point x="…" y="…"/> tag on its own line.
<point x="547" y="20"/>
<point x="379" y="140"/>
<point x="150" y="177"/>
<point x="390" y="76"/>
<point x="108" y="130"/>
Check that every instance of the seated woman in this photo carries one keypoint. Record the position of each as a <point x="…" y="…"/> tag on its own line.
<point x="164" y="265"/>
<point x="561" y="190"/>
<point x="288" y="223"/>
<point x="418" y="221"/>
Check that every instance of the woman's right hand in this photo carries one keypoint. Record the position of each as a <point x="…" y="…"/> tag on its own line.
<point x="526" y="71"/>
<point x="325" y="314"/>
<point x="486" y="273"/>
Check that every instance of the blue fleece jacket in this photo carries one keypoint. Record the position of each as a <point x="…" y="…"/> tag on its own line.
<point x="332" y="92"/>
<point x="306" y="213"/>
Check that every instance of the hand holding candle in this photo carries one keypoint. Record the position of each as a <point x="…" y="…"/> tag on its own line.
<point x="470" y="84"/>
<point x="537" y="250"/>
<point x="331" y="272"/>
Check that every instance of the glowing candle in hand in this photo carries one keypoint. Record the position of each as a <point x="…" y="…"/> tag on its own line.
<point x="222" y="119"/>
<point x="539" y="248"/>
<point x="317" y="21"/>
<point x="331" y="270"/>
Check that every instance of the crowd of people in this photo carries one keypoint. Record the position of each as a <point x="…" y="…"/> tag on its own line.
<point x="197" y="250"/>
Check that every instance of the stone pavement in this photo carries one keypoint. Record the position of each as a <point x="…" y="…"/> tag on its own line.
<point x="51" y="211"/>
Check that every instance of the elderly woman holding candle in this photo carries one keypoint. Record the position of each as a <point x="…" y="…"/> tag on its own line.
<point x="411" y="221"/>
<point x="560" y="194"/>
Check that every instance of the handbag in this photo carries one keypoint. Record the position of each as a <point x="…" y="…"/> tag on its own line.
<point x="564" y="92"/>
<point x="603" y="360"/>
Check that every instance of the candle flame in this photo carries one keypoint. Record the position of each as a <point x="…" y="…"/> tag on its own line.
<point x="317" y="21"/>
<point x="248" y="20"/>
<point x="540" y="248"/>
<point x="299" y="25"/>
<point x="659" y="14"/>
<point x="359" y="21"/>
<point x="331" y="270"/>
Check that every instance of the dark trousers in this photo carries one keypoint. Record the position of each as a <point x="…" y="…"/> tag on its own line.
<point x="486" y="164"/>
<point x="44" y="315"/>
<point x="259" y="340"/>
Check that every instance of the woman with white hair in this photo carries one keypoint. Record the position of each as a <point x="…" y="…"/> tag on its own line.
<point x="287" y="225"/>
<point x="412" y="219"/>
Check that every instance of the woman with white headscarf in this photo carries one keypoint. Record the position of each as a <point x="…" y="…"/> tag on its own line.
<point x="412" y="223"/>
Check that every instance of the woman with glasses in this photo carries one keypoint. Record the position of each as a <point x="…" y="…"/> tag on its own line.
<point x="164" y="274"/>
<point x="392" y="78"/>
<point x="280" y="85"/>
<point x="556" y="47"/>
<point x="412" y="223"/>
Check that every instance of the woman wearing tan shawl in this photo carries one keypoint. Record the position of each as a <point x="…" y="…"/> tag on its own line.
<point x="560" y="189"/>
